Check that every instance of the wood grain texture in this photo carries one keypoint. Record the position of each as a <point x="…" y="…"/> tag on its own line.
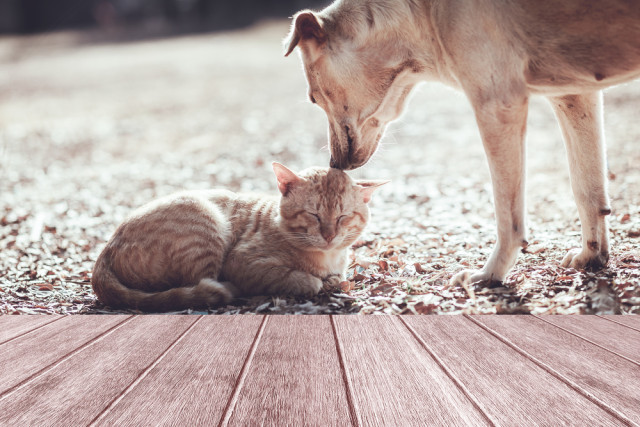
<point x="611" y="379"/>
<point x="395" y="381"/>
<point x="193" y="382"/>
<point x="319" y="370"/>
<point x="511" y="387"/>
<point x="621" y="340"/>
<point x="632" y="321"/>
<point x="295" y="375"/>
<point x="24" y="356"/>
<point x="76" y="390"/>
<point x="14" y="326"/>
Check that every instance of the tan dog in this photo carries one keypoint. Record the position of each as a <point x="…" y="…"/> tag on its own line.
<point x="362" y="58"/>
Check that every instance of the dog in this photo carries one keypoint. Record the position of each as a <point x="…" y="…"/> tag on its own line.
<point x="362" y="59"/>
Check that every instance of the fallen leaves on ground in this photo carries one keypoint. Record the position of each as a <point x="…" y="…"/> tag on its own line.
<point x="213" y="111"/>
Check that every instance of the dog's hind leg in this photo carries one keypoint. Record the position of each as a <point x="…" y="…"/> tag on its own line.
<point x="580" y="118"/>
<point x="502" y="119"/>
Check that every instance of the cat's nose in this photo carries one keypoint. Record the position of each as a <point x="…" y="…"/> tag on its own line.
<point x="328" y="235"/>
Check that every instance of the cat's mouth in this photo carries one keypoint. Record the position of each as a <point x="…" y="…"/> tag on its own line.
<point x="323" y="245"/>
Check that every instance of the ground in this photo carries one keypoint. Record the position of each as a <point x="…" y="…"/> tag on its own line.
<point x="92" y="127"/>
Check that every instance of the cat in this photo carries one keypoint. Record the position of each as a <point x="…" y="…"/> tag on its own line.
<point x="201" y="249"/>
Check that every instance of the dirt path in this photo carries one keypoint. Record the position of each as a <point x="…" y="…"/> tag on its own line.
<point x="89" y="131"/>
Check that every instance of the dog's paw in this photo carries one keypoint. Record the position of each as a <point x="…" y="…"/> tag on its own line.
<point x="480" y="278"/>
<point x="581" y="259"/>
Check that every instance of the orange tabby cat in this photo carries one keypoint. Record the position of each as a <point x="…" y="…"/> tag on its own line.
<point x="202" y="248"/>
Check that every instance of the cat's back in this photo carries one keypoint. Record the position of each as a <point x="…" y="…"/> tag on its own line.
<point x="251" y="215"/>
<point x="240" y="216"/>
<point x="184" y="205"/>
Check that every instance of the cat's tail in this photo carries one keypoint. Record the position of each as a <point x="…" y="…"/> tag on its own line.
<point x="111" y="292"/>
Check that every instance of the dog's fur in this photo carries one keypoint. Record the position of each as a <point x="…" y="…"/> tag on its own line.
<point x="362" y="58"/>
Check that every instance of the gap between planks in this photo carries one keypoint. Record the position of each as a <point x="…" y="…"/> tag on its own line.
<point x="142" y="376"/>
<point x="450" y="374"/>
<point x="68" y="356"/>
<point x="233" y="399"/>
<point x="589" y="341"/>
<point x="32" y="330"/>
<point x="615" y="321"/>
<point x="354" y="411"/>
<point x="555" y="373"/>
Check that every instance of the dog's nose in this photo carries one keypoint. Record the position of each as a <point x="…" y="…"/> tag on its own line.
<point x="345" y="163"/>
<point x="336" y="164"/>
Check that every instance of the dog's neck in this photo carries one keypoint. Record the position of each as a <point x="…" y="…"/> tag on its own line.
<point x="399" y="31"/>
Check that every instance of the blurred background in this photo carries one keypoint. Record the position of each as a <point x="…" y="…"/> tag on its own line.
<point x="30" y="16"/>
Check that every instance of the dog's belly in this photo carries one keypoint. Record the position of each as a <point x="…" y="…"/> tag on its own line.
<point x="576" y="83"/>
<point x="574" y="48"/>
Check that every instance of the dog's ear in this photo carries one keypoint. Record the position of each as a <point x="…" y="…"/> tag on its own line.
<point x="305" y="27"/>
<point x="367" y="188"/>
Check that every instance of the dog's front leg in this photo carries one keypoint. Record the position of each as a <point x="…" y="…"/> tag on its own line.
<point x="580" y="118"/>
<point x="502" y="119"/>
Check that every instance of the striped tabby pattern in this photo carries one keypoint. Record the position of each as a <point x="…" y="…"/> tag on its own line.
<point x="202" y="248"/>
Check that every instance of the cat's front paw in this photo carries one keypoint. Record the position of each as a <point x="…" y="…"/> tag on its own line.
<point x="332" y="282"/>
<point x="304" y="285"/>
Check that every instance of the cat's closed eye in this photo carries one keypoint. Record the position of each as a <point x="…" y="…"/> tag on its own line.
<point x="316" y="216"/>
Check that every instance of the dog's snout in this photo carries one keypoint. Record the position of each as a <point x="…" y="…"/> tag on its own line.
<point x="349" y="135"/>
<point x="346" y="152"/>
<point x="335" y="164"/>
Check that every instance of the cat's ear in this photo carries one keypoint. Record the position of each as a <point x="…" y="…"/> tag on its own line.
<point x="305" y="27"/>
<point x="286" y="178"/>
<point x="366" y="188"/>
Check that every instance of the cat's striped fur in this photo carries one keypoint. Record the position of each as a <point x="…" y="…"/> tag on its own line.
<point x="201" y="249"/>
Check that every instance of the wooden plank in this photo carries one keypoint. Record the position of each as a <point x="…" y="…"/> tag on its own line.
<point x="75" y="391"/>
<point x="192" y="384"/>
<point x="26" y="355"/>
<point x="632" y="321"/>
<point x="14" y="326"/>
<point x="510" y="386"/>
<point x="613" y="380"/>
<point x="295" y="376"/>
<point x="620" y="340"/>
<point x="393" y="379"/>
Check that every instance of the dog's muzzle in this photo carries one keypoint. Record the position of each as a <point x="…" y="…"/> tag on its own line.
<point x="347" y="164"/>
<point x="343" y="149"/>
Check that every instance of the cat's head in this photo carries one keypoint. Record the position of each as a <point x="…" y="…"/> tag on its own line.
<point x="323" y="208"/>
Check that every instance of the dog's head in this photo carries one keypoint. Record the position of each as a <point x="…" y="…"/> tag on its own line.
<point x="360" y="82"/>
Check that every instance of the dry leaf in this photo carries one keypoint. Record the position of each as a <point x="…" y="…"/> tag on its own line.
<point x="625" y="218"/>
<point x="45" y="287"/>
<point x="419" y="268"/>
<point x="384" y="287"/>
<point x="347" y="285"/>
<point x="421" y="308"/>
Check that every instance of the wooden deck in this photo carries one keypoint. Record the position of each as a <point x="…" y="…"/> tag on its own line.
<point x="319" y="371"/>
